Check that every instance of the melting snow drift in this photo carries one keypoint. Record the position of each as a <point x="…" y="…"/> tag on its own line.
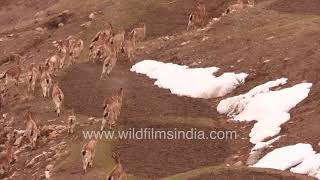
<point x="269" y="108"/>
<point x="301" y="158"/>
<point x="192" y="82"/>
<point x="286" y="157"/>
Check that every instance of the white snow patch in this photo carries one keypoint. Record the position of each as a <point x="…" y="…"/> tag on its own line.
<point x="309" y="166"/>
<point x="269" y="108"/>
<point x="286" y="157"/>
<point x="192" y="82"/>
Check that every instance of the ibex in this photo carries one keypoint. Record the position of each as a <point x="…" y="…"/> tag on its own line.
<point x="57" y="97"/>
<point x="32" y="132"/>
<point x="112" y="108"/>
<point x="13" y="72"/>
<point x="235" y="7"/>
<point x="33" y="77"/>
<point x="6" y="158"/>
<point x="129" y="47"/>
<point x="109" y="63"/>
<point x="76" y="51"/>
<point x="102" y="36"/>
<point x="139" y="32"/>
<point x="71" y="121"/>
<point x="117" y="172"/>
<point x="45" y="81"/>
<point x="118" y="40"/>
<point x="198" y="17"/>
<point x="88" y="152"/>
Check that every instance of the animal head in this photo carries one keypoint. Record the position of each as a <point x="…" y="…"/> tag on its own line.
<point x="71" y="112"/>
<point x="28" y="115"/>
<point x="116" y="157"/>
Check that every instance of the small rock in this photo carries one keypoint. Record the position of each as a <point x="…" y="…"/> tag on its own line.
<point x="91" y="118"/>
<point x="267" y="60"/>
<point x="52" y="135"/>
<point x="239" y="163"/>
<point x="205" y="38"/>
<point x="235" y="157"/>
<point x="10" y="35"/>
<point x="60" y="24"/>
<point x="319" y="144"/>
<point x="194" y="64"/>
<point x="2" y="172"/>
<point x="40" y="30"/>
<point x="65" y="12"/>
<point x="86" y="24"/>
<point x="269" y="38"/>
<point x="185" y="43"/>
<point x="92" y="16"/>
<point x="166" y="38"/>
<point x="18" y="141"/>
<point x="240" y="60"/>
<point x="286" y="59"/>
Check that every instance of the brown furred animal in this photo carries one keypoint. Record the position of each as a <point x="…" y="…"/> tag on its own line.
<point x="198" y="16"/>
<point x="45" y="81"/>
<point x="7" y="158"/>
<point x="71" y="121"/>
<point x="57" y="97"/>
<point x="118" y="40"/>
<point x="112" y="108"/>
<point x="109" y="63"/>
<point x="33" y="77"/>
<point x="32" y="132"/>
<point x="235" y="7"/>
<point x="88" y="152"/>
<point x="139" y="32"/>
<point x="117" y="172"/>
<point x="76" y="51"/>
<point x="13" y="72"/>
<point x="129" y="47"/>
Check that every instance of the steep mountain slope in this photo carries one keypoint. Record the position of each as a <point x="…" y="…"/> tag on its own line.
<point x="276" y="38"/>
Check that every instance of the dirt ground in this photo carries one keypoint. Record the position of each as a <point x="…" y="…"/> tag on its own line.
<point x="277" y="38"/>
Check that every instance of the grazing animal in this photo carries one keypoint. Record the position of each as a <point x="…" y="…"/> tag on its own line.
<point x="117" y="172"/>
<point x="139" y="32"/>
<point x="57" y="61"/>
<point x="57" y="97"/>
<point x="32" y="132"/>
<point x="7" y="158"/>
<point x="76" y="50"/>
<point x="109" y="63"/>
<point x="33" y="77"/>
<point x="112" y="108"/>
<point x="100" y="47"/>
<point x="101" y="52"/>
<point x="129" y="47"/>
<point x="102" y="36"/>
<point x="45" y="81"/>
<point x="71" y="121"/>
<point x="198" y="16"/>
<point x="13" y="72"/>
<point x="118" y="40"/>
<point x="88" y="152"/>
<point x="235" y="7"/>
